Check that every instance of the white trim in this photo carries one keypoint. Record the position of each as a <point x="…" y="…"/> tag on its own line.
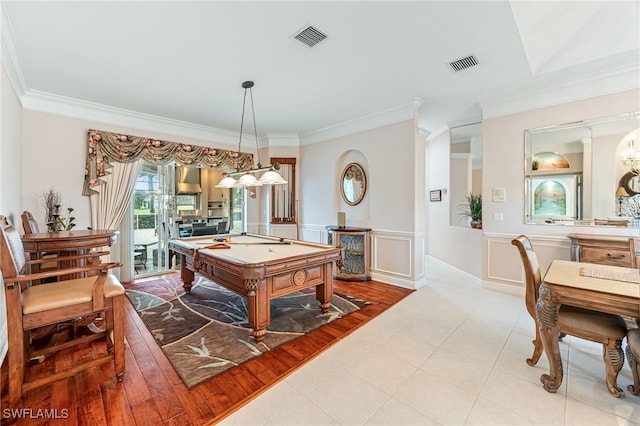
<point x="504" y="288"/>
<point x="35" y="100"/>
<point x="399" y="282"/>
<point x="386" y="117"/>
<point x="9" y="55"/>
<point x="624" y="78"/>
<point x="283" y="140"/>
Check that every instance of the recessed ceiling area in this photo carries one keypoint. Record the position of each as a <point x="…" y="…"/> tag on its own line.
<point x="185" y="61"/>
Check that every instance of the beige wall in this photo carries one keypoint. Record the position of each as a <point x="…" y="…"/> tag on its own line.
<point x="456" y="245"/>
<point x="489" y="255"/>
<point x="503" y="156"/>
<point x="57" y="149"/>
<point x="10" y="171"/>
<point x="393" y="206"/>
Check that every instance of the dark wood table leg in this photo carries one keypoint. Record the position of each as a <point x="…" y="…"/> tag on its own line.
<point x="324" y="291"/>
<point x="186" y="274"/>
<point x="547" y="312"/>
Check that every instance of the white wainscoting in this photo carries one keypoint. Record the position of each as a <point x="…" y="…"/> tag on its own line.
<point x="314" y="234"/>
<point x="504" y="266"/>
<point x="283" y="231"/>
<point x="396" y="257"/>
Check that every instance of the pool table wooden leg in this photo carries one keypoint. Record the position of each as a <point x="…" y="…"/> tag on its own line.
<point x="259" y="307"/>
<point x="324" y="291"/>
<point x="186" y="274"/>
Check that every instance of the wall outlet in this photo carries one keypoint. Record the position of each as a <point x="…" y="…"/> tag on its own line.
<point x="498" y="217"/>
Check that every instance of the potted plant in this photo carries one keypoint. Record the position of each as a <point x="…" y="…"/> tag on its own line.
<point x="472" y="209"/>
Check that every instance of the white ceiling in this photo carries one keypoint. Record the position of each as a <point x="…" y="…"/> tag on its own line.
<point x="186" y="60"/>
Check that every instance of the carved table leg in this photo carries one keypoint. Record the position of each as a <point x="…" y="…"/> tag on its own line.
<point x="324" y="291"/>
<point x="547" y="313"/>
<point x="186" y="274"/>
<point x="258" y="307"/>
<point x="613" y="360"/>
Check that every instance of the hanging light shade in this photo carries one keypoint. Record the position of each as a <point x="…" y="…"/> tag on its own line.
<point x="271" y="177"/>
<point x="227" y="182"/>
<point x="248" y="178"/>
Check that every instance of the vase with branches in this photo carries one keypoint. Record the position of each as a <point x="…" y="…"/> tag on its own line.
<point x="52" y="202"/>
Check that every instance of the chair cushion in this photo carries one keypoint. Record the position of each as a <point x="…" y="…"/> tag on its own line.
<point x="204" y="230"/>
<point x="593" y="322"/>
<point x="633" y="341"/>
<point x="45" y="297"/>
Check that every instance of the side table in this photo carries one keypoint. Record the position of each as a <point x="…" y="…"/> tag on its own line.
<point x="355" y="244"/>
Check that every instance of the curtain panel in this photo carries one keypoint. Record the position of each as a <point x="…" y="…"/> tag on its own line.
<point x="105" y="148"/>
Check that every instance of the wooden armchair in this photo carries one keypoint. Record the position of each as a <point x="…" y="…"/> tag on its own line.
<point x="30" y="307"/>
<point x="29" y="224"/>
<point x="599" y="327"/>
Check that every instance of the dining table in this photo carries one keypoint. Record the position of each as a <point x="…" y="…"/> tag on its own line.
<point x="603" y="288"/>
<point x="72" y="242"/>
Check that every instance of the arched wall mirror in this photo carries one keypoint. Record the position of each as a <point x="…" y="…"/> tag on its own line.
<point x="353" y="184"/>
<point x="575" y="173"/>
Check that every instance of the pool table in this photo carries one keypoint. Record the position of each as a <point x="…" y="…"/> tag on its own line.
<point x="259" y="268"/>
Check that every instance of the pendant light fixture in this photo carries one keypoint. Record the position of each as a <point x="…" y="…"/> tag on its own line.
<point x="247" y="176"/>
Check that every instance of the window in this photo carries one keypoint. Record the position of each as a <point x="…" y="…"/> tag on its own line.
<point x="186" y="202"/>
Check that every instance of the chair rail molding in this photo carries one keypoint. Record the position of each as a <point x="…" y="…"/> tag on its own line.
<point x="503" y="267"/>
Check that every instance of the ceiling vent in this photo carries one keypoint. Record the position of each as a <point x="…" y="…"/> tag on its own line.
<point x="310" y="36"/>
<point x="463" y="63"/>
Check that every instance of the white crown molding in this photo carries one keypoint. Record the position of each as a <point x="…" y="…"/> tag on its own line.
<point x="283" y="140"/>
<point x="60" y="105"/>
<point x="9" y="55"/>
<point x="627" y="78"/>
<point x="383" y="118"/>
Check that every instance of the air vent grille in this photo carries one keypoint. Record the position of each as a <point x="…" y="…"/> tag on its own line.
<point x="463" y="63"/>
<point x="310" y="36"/>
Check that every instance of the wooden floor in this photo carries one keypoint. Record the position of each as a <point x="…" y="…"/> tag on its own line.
<point x="152" y="393"/>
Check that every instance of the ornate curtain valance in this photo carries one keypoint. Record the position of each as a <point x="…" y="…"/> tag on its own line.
<point x="106" y="147"/>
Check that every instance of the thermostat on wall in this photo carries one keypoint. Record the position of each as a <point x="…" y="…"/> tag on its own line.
<point x="499" y="194"/>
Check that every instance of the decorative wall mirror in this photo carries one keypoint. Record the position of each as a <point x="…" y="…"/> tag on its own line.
<point x="353" y="184"/>
<point x="465" y="168"/>
<point x="575" y="173"/>
<point x="630" y="183"/>
<point x="283" y="205"/>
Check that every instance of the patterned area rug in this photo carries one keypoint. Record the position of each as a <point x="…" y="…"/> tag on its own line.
<point x="205" y="332"/>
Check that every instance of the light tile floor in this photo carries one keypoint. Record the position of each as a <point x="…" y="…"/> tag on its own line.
<point x="452" y="353"/>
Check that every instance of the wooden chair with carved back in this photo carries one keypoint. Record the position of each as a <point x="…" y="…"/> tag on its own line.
<point x="33" y="307"/>
<point x="30" y="226"/>
<point x="29" y="223"/>
<point x="599" y="327"/>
